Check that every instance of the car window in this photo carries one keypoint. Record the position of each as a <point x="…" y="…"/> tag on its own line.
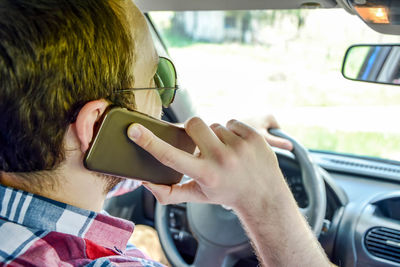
<point x="243" y="64"/>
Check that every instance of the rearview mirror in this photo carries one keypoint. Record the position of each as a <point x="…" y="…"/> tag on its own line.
<point x="373" y="63"/>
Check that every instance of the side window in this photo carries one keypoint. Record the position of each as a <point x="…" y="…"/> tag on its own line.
<point x="183" y="107"/>
<point x="161" y="49"/>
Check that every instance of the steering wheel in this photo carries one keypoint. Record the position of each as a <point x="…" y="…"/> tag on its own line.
<point x="219" y="233"/>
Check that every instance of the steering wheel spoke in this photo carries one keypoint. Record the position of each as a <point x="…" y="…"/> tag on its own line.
<point x="210" y="255"/>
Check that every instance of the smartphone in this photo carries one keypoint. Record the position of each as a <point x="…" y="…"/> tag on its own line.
<point x="112" y="152"/>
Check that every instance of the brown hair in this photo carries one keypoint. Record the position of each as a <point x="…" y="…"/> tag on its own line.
<point x="55" y="55"/>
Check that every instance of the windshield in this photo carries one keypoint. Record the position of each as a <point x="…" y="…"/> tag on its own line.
<point x="245" y="64"/>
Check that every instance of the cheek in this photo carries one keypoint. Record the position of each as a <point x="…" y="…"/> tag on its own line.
<point x="149" y="102"/>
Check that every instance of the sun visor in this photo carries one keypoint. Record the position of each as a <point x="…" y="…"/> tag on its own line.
<point x="381" y="15"/>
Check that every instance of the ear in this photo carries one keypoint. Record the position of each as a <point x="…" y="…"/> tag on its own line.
<point x="89" y="114"/>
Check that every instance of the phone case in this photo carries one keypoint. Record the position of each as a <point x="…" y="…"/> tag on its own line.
<point x="112" y="152"/>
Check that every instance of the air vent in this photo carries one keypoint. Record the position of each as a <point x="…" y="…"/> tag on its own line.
<point x="384" y="243"/>
<point x="358" y="166"/>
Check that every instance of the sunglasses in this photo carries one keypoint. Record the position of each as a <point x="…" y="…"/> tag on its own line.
<point x="165" y="80"/>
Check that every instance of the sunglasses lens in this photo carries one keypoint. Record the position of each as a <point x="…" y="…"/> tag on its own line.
<point x="166" y="77"/>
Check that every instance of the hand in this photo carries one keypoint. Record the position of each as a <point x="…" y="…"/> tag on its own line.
<point x="266" y="123"/>
<point x="236" y="167"/>
<point x="234" y="163"/>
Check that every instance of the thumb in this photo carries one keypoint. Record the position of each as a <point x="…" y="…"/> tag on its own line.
<point x="160" y="192"/>
<point x="177" y="193"/>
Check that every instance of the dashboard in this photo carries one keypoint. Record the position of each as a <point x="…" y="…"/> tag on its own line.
<point x="367" y="227"/>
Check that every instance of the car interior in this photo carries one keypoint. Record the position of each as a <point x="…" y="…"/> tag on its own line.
<point x="351" y="201"/>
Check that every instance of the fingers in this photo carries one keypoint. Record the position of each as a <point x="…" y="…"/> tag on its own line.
<point x="177" y="193"/>
<point x="270" y="122"/>
<point x="168" y="155"/>
<point x="279" y="142"/>
<point x="225" y="135"/>
<point x="241" y="129"/>
<point x="202" y="136"/>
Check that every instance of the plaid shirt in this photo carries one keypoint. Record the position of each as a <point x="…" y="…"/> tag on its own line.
<point x="37" y="231"/>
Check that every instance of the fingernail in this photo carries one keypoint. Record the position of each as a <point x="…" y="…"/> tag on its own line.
<point x="134" y="131"/>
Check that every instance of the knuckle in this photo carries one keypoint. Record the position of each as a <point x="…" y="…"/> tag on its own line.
<point x="166" y="158"/>
<point x="224" y="159"/>
<point x="230" y="162"/>
<point x="241" y="146"/>
<point x="218" y="154"/>
<point x="270" y="118"/>
<point x="253" y="136"/>
<point x="231" y="123"/>
<point x="147" y="140"/>
<point x="193" y="123"/>
<point x="216" y="126"/>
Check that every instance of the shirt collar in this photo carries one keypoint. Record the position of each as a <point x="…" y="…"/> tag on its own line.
<point x="41" y="213"/>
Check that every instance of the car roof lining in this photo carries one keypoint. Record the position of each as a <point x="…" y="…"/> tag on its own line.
<point x="191" y="5"/>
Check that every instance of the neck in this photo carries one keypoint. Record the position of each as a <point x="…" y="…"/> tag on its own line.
<point x="77" y="186"/>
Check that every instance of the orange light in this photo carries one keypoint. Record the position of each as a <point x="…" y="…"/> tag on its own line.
<point x="373" y="14"/>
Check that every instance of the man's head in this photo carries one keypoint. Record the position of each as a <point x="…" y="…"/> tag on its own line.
<point x="56" y="58"/>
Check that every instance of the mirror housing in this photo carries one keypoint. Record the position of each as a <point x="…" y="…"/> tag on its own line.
<point x="373" y="63"/>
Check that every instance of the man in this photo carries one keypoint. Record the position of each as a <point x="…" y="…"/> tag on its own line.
<point x="62" y="63"/>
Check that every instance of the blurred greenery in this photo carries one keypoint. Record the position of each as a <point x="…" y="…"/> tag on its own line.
<point x="294" y="60"/>
<point x="270" y="17"/>
<point x="355" y="60"/>
<point x="174" y="39"/>
<point x="362" y="143"/>
<point x="297" y="77"/>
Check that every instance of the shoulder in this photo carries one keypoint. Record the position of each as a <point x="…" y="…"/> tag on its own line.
<point x="21" y="246"/>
